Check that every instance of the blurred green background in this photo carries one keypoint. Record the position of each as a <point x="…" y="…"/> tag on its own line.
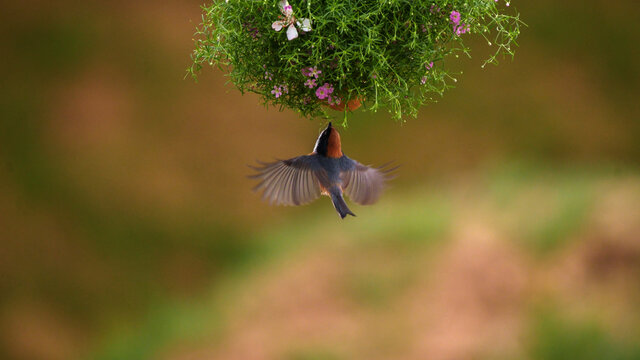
<point x="128" y="229"/>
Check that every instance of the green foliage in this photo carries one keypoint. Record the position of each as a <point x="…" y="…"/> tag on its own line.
<point x="388" y="53"/>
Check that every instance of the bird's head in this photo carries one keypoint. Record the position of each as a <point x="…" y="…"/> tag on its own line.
<point x="328" y="143"/>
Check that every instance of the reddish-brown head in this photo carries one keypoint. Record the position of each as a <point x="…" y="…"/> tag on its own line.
<point x="328" y="143"/>
<point x="334" y="149"/>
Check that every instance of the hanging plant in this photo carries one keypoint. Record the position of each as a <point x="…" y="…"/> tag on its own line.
<point x="312" y="55"/>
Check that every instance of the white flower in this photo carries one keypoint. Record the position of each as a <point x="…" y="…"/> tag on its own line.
<point x="288" y="20"/>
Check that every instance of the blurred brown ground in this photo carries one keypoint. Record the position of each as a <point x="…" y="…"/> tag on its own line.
<point x="123" y="199"/>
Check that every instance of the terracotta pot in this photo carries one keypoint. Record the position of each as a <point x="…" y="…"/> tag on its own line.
<point x="351" y="105"/>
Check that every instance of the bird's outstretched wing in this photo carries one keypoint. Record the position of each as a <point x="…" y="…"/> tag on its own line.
<point x="289" y="182"/>
<point x="364" y="184"/>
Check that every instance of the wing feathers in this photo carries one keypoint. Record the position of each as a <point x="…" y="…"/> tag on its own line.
<point x="289" y="182"/>
<point x="364" y="184"/>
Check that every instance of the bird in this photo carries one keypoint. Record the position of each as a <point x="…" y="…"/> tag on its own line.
<point x="325" y="171"/>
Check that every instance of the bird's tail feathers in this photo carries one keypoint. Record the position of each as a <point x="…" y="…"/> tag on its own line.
<point x="340" y="205"/>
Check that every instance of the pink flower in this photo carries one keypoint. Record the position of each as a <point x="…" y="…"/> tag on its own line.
<point x="329" y="88"/>
<point x="311" y="72"/>
<point x="462" y="29"/>
<point x="428" y="66"/>
<point x="311" y="83"/>
<point x="334" y="100"/>
<point x="455" y="17"/>
<point x="458" y="27"/>
<point x="314" y="72"/>
<point x="277" y="91"/>
<point x="324" y="91"/>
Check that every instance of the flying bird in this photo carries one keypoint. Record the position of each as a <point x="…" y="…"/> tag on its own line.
<point x="326" y="171"/>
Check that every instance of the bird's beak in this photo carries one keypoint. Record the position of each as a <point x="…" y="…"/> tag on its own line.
<point x="329" y="126"/>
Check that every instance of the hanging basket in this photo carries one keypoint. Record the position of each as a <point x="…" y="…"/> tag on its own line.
<point x="310" y="55"/>
<point x="350" y="105"/>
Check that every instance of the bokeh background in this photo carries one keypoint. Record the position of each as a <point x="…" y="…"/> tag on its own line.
<point x="128" y="229"/>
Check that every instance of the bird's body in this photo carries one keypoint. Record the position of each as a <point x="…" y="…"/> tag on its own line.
<point x="326" y="171"/>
